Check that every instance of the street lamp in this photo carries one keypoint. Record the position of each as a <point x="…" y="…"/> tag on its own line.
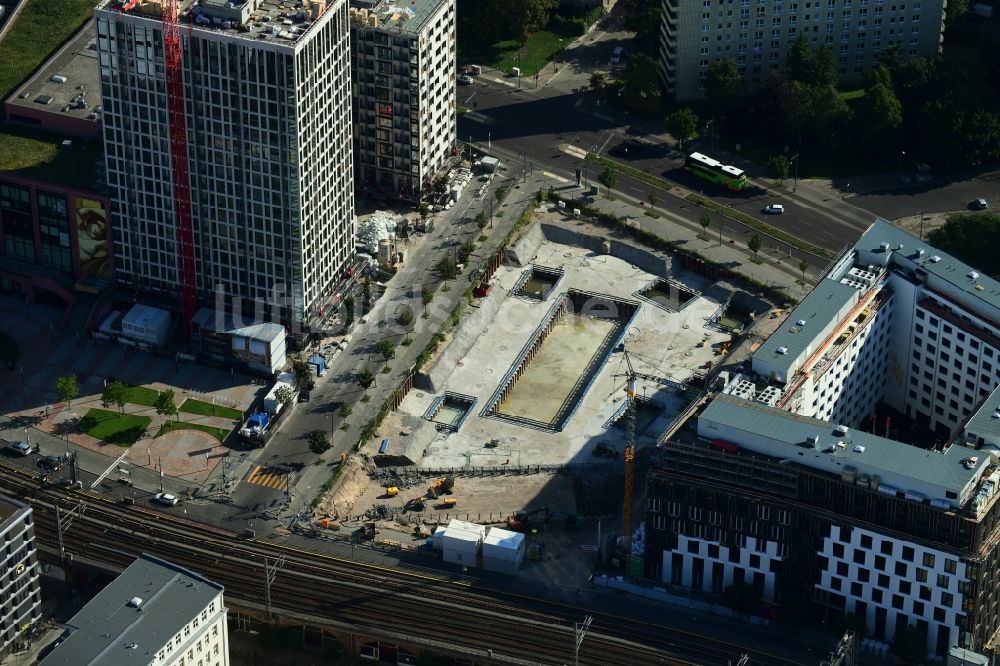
<point x="899" y="168"/>
<point x="795" y="182"/>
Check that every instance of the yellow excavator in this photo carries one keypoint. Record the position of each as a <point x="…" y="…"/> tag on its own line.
<point x="442" y="486"/>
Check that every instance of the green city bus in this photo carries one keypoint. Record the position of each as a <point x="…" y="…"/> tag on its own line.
<point x="713" y="170"/>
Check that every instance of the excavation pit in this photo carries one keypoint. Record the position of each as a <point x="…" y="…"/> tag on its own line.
<point x="450" y="410"/>
<point x="538" y="282"/>
<point x="556" y="366"/>
<point x="670" y="295"/>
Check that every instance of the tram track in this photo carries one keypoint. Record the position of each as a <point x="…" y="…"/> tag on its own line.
<point x="508" y="626"/>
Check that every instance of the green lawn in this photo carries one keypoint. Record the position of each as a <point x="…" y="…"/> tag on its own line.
<point x="40" y="28"/>
<point x="141" y="395"/>
<point x="170" y="426"/>
<point x="201" y="408"/>
<point x="114" y="428"/>
<point x="502" y="55"/>
<point x="9" y="351"/>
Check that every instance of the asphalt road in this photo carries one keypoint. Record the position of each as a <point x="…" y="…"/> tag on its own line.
<point x="935" y="197"/>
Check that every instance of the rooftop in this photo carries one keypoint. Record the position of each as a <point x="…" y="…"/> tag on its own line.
<point x="982" y="291"/>
<point x="819" y="445"/>
<point x="407" y="16"/>
<point x="984" y="424"/>
<point x="67" y="83"/>
<point x="206" y="318"/>
<point x="111" y="630"/>
<point x="281" y="22"/>
<point x="8" y="507"/>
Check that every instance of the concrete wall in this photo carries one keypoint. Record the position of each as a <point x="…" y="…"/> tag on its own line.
<point x="657" y="263"/>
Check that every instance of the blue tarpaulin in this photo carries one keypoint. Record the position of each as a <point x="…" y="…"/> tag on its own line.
<point x="385" y="446"/>
<point x="319" y="362"/>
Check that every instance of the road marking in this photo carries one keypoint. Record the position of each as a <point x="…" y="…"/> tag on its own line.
<point x="476" y="117"/>
<point x="574" y="151"/>
<point x="578" y="102"/>
<point x="604" y="117"/>
<point x="555" y="177"/>
<point x="265" y="476"/>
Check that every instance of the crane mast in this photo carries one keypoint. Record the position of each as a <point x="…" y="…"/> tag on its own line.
<point x="180" y="177"/>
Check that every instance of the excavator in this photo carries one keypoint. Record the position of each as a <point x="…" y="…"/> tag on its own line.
<point x="442" y="486"/>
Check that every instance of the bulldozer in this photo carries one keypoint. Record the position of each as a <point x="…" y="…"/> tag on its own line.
<point x="442" y="486"/>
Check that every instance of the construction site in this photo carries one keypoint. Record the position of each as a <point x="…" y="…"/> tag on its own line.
<point x="577" y="347"/>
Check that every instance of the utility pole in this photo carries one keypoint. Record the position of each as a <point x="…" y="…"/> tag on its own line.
<point x="64" y="524"/>
<point x="579" y="632"/>
<point x="270" y="573"/>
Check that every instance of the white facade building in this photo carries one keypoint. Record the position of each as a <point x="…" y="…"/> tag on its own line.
<point x="757" y="34"/>
<point x="20" y="591"/>
<point x="153" y="614"/>
<point x="269" y="151"/>
<point x="403" y="69"/>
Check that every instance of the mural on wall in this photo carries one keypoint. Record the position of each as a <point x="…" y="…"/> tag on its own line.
<point x="92" y="234"/>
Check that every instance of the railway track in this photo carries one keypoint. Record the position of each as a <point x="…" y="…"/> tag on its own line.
<point x="512" y="628"/>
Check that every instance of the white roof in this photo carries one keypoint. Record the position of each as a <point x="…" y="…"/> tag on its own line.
<point x="502" y="538"/>
<point x="463" y="531"/>
<point x="145" y="315"/>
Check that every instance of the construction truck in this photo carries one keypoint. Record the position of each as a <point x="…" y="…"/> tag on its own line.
<point x="524" y="521"/>
<point x="442" y="486"/>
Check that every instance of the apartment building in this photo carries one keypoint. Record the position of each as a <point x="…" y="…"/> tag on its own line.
<point x="154" y="614"/>
<point x="757" y="35"/>
<point x="267" y="91"/>
<point x="893" y="321"/>
<point x="20" y="590"/>
<point x="403" y="70"/>
<point x="779" y="486"/>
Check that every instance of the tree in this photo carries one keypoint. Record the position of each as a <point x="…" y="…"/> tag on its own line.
<point x="973" y="238"/>
<point x="67" y="389"/>
<point x="349" y="310"/>
<point x="386" y="347"/>
<point x="441" y="184"/>
<point x="742" y="598"/>
<point x="465" y="251"/>
<point x="285" y="395"/>
<point x="115" y="393"/>
<point x="481" y="220"/>
<point x="345" y="410"/>
<point x="447" y="269"/>
<point x="778" y="167"/>
<point x="424" y="209"/>
<point x="608" y="178"/>
<point x="652" y="198"/>
<point x="523" y="17"/>
<point x="799" y="61"/>
<point x="426" y="295"/>
<point x="824" y="67"/>
<point x="404" y="317"/>
<point x="705" y="221"/>
<point x="803" y="267"/>
<point x="910" y="646"/>
<point x="682" y="124"/>
<point x="955" y="10"/>
<point x="365" y="379"/>
<point x="723" y="84"/>
<point x="883" y="114"/>
<point x="318" y="442"/>
<point x="598" y="80"/>
<point x="641" y="91"/>
<point x="499" y="192"/>
<point x="165" y="404"/>
<point x="755" y="243"/>
<point x="303" y="373"/>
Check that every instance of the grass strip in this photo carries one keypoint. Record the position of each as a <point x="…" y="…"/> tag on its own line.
<point x="631" y="172"/>
<point x="170" y="426"/>
<point x="202" y="408"/>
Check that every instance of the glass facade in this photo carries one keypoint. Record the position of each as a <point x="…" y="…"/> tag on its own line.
<point x="53" y="218"/>
<point x="15" y="223"/>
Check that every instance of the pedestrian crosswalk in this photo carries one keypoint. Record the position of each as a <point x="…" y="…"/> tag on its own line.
<point x="268" y="477"/>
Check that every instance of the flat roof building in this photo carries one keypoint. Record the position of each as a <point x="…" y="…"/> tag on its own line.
<point x="154" y="613"/>
<point x="403" y="70"/>
<point x="20" y="590"/>
<point x="758" y="36"/>
<point x="794" y="478"/>
<point x="64" y="94"/>
<point x="268" y="97"/>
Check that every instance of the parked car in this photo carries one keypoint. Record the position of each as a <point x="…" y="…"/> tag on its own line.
<point x="465" y="79"/>
<point x="631" y="148"/>
<point x="165" y="498"/>
<point x="979" y="204"/>
<point x="774" y="209"/>
<point x="17" y="448"/>
<point x="50" y="463"/>
<point x="617" y="55"/>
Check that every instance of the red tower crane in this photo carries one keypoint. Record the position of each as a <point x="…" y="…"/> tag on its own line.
<point x="177" y="124"/>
